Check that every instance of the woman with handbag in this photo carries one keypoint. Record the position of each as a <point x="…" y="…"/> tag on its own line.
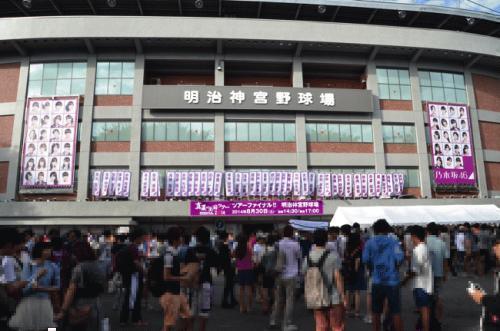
<point x="35" y="312"/>
<point x="81" y="309"/>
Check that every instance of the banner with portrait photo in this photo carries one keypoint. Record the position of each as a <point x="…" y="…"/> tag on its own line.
<point x="451" y="141"/>
<point x="49" y="146"/>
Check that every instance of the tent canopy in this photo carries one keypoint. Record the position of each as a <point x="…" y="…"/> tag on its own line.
<point x="308" y="226"/>
<point x="407" y="215"/>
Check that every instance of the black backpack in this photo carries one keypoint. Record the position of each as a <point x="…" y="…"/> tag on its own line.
<point x="154" y="277"/>
<point x="124" y="262"/>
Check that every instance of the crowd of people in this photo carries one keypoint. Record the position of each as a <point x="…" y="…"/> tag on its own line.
<point x="58" y="281"/>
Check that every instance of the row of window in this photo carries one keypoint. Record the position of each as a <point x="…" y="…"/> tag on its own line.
<point x="399" y="134"/>
<point x="252" y="131"/>
<point x="329" y="132"/>
<point x="117" y="78"/>
<point x="255" y="131"/>
<point x="178" y="131"/>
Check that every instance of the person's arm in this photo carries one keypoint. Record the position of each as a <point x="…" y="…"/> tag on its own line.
<point x="68" y="300"/>
<point x="339" y="282"/>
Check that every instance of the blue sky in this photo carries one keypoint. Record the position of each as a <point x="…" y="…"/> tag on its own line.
<point x="476" y="5"/>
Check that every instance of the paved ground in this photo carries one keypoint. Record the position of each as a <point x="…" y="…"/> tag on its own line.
<point x="461" y="314"/>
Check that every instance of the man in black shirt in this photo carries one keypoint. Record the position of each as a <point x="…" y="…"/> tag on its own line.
<point x="200" y="297"/>
<point x="173" y="302"/>
<point x="491" y="303"/>
<point x="228" y="300"/>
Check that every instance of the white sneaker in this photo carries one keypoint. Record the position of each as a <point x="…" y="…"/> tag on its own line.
<point x="290" y="327"/>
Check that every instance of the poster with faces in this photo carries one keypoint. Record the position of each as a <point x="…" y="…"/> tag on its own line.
<point x="49" y="148"/>
<point x="451" y="144"/>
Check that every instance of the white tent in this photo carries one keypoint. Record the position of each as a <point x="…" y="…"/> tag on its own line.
<point x="406" y="215"/>
<point x="308" y="226"/>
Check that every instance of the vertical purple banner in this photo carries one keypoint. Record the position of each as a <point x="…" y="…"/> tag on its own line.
<point x="178" y="184"/>
<point x="335" y="186"/>
<point x="197" y="187"/>
<point x="145" y="184"/>
<point x="229" y="176"/>
<point x="371" y="185"/>
<point x="237" y="184"/>
<point x="357" y="185"/>
<point x="348" y="185"/>
<point x="169" y="184"/>
<point x="126" y="184"/>
<point x="265" y="183"/>
<point x="328" y="185"/>
<point x="258" y="183"/>
<point x="184" y="184"/>
<point x="119" y="184"/>
<point x="106" y="177"/>
<point x="320" y="188"/>
<point x="340" y="183"/>
<point x="272" y="183"/>
<point x="154" y="184"/>
<point x="312" y="184"/>
<point x="203" y="183"/>
<point x="304" y="184"/>
<point x="244" y="184"/>
<point x="96" y="183"/>
<point x="210" y="183"/>
<point x="296" y="184"/>
<point x="253" y="184"/>
<point x="217" y="184"/>
<point x="451" y="141"/>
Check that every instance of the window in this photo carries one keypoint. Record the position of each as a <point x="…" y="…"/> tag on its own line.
<point x="393" y="84"/>
<point x="255" y="131"/>
<point x="114" y="78"/>
<point x="177" y="131"/>
<point x="412" y="178"/>
<point x="66" y="78"/>
<point x="331" y="132"/>
<point x="442" y="87"/>
<point x="399" y="134"/>
<point x="111" y="131"/>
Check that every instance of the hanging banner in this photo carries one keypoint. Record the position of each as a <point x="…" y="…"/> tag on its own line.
<point x="278" y="183"/>
<point x="383" y="185"/>
<point x="210" y="183"/>
<point x="184" y="184"/>
<point x="244" y="184"/>
<point x="328" y="185"/>
<point x="203" y="184"/>
<point x="237" y="184"/>
<point x="364" y="185"/>
<point x="272" y="183"/>
<point x="96" y="184"/>
<point x="357" y="185"/>
<point x="256" y="208"/>
<point x="112" y="184"/>
<point x="371" y="185"/>
<point x="258" y="183"/>
<point x="320" y="180"/>
<point x="105" y="183"/>
<point x="119" y="184"/>
<point x="229" y="176"/>
<point x="253" y="184"/>
<point x="154" y="184"/>
<point x="191" y="183"/>
<point x="265" y="184"/>
<point x="126" y="184"/>
<point x="451" y="141"/>
<point x="312" y="184"/>
<point x="145" y="184"/>
<point x="335" y="186"/>
<point x="49" y="145"/>
<point x="389" y="184"/>
<point x="341" y="184"/>
<point x="217" y="184"/>
<point x="178" y="184"/>
<point x="296" y="184"/>
<point x="304" y="180"/>
<point x="196" y="181"/>
<point x="169" y="184"/>
<point x="348" y="185"/>
<point x="289" y="184"/>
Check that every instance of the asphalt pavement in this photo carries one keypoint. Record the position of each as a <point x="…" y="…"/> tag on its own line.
<point x="460" y="312"/>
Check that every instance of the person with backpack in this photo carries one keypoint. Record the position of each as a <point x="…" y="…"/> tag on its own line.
<point x="354" y="272"/>
<point x="129" y="264"/>
<point x="324" y="288"/>
<point x="200" y="295"/>
<point x="423" y="279"/>
<point x="81" y="309"/>
<point x="173" y="302"/>
<point x="268" y="262"/>
<point x="383" y="255"/>
<point x="290" y="259"/>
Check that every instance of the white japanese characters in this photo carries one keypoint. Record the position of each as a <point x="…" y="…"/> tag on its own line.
<point x="280" y="98"/>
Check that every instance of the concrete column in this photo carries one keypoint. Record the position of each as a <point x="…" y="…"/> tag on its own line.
<point x="423" y="157"/>
<point x="378" y="137"/>
<point x="476" y="135"/>
<point x="136" y="128"/>
<point x="86" y="130"/>
<point x="17" y="131"/>
<point x="300" y="118"/>
<point x="219" y="158"/>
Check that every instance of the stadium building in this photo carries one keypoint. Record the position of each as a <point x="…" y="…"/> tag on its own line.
<point x="213" y="86"/>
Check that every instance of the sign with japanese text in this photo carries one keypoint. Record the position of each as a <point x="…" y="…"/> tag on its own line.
<point x="111" y="184"/>
<point x="451" y="141"/>
<point x="49" y="149"/>
<point x="257" y="98"/>
<point x="256" y="208"/>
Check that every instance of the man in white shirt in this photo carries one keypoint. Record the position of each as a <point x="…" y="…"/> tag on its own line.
<point x="286" y="282"/>
<point x="460" y="243"/>
<point x="421" y="272"/>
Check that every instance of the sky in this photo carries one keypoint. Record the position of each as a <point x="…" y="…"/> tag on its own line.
<point x="475" y="5"/>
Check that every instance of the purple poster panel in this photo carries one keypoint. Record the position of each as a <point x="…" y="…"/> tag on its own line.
<point x="229" y="184"/>
<point x="49" y="147"/>
<point x="96" y="184"/>
<point x="145" y="184"/>
<point x="451" y="141"/>
<point x="256" y="208"/>
<point x="169" y="184"/>
<point x="126" y="184"/>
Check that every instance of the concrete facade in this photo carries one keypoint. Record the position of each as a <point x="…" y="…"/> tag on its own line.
<point x="220" y="155"/>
